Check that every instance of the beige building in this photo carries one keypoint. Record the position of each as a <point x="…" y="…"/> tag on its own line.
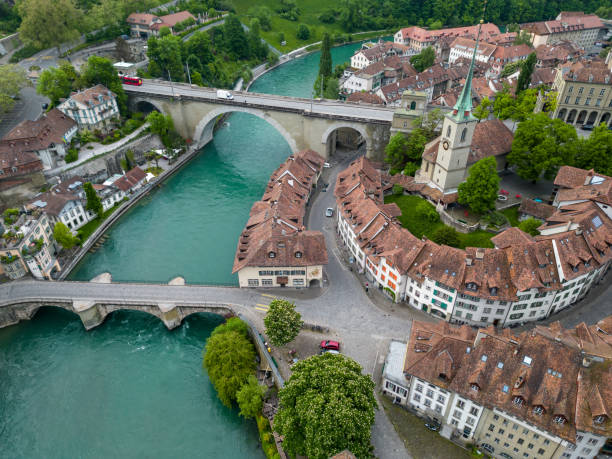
<point x="584" y="93"/>
<point x="413" y="104"/>
<point x="275" y="249"/>
<point x="27" y="246"/>
<point x="574" y="26"/>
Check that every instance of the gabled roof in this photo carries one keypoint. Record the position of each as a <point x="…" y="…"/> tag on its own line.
<point x="40" y="134"/>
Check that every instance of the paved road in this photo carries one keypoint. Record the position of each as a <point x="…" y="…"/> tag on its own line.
<point x="317" y="107"/>
<point x="27" y="107"/>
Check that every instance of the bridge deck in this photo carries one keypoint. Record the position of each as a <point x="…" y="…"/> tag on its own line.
<point x="310" y="107"/>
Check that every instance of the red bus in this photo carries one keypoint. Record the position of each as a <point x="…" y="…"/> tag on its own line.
<point x="131" y="80"/>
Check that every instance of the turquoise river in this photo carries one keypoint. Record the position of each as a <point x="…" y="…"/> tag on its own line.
<point x="130" y="388"/>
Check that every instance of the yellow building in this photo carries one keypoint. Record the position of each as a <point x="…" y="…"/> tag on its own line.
<point x="584" y="93"/>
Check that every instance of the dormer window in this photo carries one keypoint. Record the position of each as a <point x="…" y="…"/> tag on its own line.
<point x="442" y="376"/>
<point x="538" y="410"/>
<point x="575" y="269"/>
<point x="298" y="254"/>
<point x="599" y="419"/>
<point x="474" y="387"/>
<point x="271" y="254"/>
<point x="471" y="286"/>
<point x="518" y="400"/>
<point x="493" y="291"/>
<point x="559" y="419"/>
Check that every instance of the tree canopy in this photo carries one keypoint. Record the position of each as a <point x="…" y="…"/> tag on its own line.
<point x="541" y="145"/>
<point x="93" y="200"/>
<point x="402" y="150"/>
<point x="229" y="359"/>
<point x="530" y="226"/>
<point x="527" y="66"/>
<point x="595" y="152"/>
<point x="283" y="322"/>
<point x="424" y="59"/>
<point x="12" y="79"/>
<point x="63" y="236"/>
<point x="479" y="191"/>
<point x="49" y="23"/>
<point x="327" y="406"/>
<point x="54" y="83"/>
<point x="250" y="397"/>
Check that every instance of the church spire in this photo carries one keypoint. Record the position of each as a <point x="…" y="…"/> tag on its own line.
<point x="462" y="111"/>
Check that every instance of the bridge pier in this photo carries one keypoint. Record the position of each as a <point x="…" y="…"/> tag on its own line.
<point x="169" y="315"/>
<point x="89" y="312"/>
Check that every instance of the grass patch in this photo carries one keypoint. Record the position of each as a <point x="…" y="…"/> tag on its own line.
<point x="89" y="228"/>
<point x="154" y="170"/>
<point x="421" y="227"/>
<point x="309" y="15"/>
<point x="267" y="438"/>
<point x="511" y="214"/>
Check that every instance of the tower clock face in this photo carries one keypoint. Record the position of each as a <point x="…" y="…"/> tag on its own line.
<point x="445" y="144"/>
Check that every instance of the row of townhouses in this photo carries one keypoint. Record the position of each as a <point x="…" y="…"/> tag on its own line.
<point x="522" y="279"/>
<point x="275" y="249"/>
<point x="27" y="245"/>
<point x="540" y="394"/>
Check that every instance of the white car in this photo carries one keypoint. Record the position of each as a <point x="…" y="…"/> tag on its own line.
<point x="326" y="165"/>
<point x="329" y="212"/>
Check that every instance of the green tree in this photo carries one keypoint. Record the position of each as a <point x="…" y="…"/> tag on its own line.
<point x="229" y="359"/>
<point x="429" y="123"/>
<point x="232" y="324"/>
<point x="479" y="191"/>
<point x="164" y="31"/>
<point x="235" y="38"/>
<point x="332" y="88"/>
<point x="196" y="78"/>
<point x="325" y="61"/>
<point x="527" y="66"/>
<point x="99" y="70"/>
<point x="424" y="59"/>
<point x="303" y="32"/>
<point x="396" y="151"/>
<point x="427" y="212"/>
<point x="283" y="322"/>
<point x="446" y="235"/>
<point x="483" y="110"/>
<point x="54" y="84"/>
<point x="411" y="168"/>
<point x="49" y="23"/>
<point x="165" y="56"/>
<point x="530" y="226"/>
<point x="257" y="49"/>
<point x="93" y="200"/>
<point x="327" y="406"/>
<point x="12" y="79"/>
<point x="199" y="46"/>
<point x="162" y="125"/>
<point x="595" y="152"/>
<point x="541" y="145"/>
<point x="62" y="234"/>
<point x="250" y="397"/>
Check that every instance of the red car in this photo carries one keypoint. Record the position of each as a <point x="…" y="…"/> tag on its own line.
<point x="330" y="345"/>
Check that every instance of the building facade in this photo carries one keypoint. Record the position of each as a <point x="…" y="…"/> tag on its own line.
<point x="538" y="394"/>
<point x="584" y="94"/>
<point x="581" y="29"/>
<point x="92" y="109"/>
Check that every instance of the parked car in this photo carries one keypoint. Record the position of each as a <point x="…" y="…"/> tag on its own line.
<point x="588" y="127"/>
<point x="432" y="426"/>
<point x="45" y="106"/>
<point x="501" y="197"/>
<point x="329" y="212"/>
<point x="330" y="345"/>
<point x="326" y="165"/>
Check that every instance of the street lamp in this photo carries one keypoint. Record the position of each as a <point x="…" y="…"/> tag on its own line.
<point x="171" y="86"/>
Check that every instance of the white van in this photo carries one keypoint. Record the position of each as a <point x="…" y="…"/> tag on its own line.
<point x="223" y="94"/>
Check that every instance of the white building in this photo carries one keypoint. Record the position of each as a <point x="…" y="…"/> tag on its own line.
<point x="92" y="109"/>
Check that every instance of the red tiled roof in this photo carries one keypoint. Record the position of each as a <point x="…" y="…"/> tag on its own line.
<point x="491" y="138"/>
<point x="131" y="179"/>
<point x="536" y="209"/>
<point x="40" y="134"/>
<point x="365" y="97"/>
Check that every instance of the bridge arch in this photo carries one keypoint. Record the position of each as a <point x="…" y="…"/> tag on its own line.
<point x="146" y="106"/>
<point x="204" y="130"/>
<point x="329" y="138"/>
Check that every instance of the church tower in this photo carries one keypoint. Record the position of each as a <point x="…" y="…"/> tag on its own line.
<point x="455" y="142"/>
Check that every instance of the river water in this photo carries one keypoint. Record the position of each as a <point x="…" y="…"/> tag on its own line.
<point x="130" y="388"/>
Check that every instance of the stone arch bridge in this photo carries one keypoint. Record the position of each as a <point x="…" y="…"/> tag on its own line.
<point x="304" y="123"/>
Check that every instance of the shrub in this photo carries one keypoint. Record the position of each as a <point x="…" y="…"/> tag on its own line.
<point x="530" y="226"/>
<point x="397" y="190"/>
<point x="426" y="211"/>
<point x="446" y="236"/>
<point x="303" y="32"/>
<point x="411" y="168"/>
<point x="72" y="155"/>
<point x="390" y="292"/>
<point x="23" y="53"/>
